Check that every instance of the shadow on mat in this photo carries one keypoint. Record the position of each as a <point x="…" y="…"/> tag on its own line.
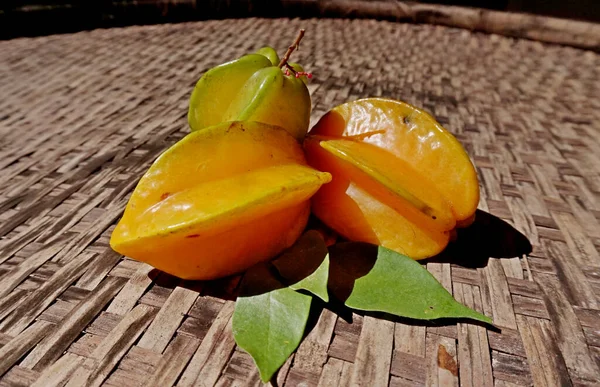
<point x="288" y="268"/>
<point x="488" y="237"/>
<point x="225" y="288"/>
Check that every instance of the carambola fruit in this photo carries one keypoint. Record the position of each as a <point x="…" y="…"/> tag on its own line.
<point x="219" y="201"/>
<point x="400" y="180"/>
<point x="252" y="88"/>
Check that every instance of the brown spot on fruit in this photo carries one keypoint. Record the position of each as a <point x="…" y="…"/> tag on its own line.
<point x="165" y="195"/>
<point x="192" y="236"/>
<point x="446" y="361"/>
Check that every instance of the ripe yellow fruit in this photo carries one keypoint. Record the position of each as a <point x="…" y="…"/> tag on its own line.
<point x="219" y="201"/>
<point x="400" y="180"/>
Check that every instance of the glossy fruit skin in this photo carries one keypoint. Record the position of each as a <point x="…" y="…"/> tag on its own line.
<point x="271" y="97"/>
<point x="214" y="91"/>
<point x="416" y="138"/>
<point x="355" y="209"/>
<point x="372" y="167"/>
<point x="219" y="201"/>
<point x="251" y="88"/>
<point x="269" y="53"/>
<point x="399" y="178"/>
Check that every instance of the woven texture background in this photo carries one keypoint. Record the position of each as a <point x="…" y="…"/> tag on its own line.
<point x="82" y="116"/>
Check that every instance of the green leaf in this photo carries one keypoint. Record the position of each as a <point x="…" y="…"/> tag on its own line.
<point x="270" y="326"/>
<point x="305" y="265"/>
<point x="316" y="283"/>
<point x="377" y="279"/>
<point x="270" y="318"/>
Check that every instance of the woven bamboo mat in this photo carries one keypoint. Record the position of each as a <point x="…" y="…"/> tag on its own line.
<point x="82" y="116"/>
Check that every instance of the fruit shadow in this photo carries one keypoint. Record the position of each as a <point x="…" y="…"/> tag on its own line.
<point x="487" y="237"/>
<point x="261" y="278"/>
<point x="293" y="265"/>
<point x="351" y="261"/>
<point x="226" y="289"/>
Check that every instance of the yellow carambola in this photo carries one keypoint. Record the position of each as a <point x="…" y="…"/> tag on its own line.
<point x="252" y="88"/>
<point x="243" y="201"/>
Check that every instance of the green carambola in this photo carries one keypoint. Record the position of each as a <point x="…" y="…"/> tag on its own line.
<point x="252" y="88"/>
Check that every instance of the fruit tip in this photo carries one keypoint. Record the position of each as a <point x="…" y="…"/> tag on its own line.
<point x="325" y="177"/>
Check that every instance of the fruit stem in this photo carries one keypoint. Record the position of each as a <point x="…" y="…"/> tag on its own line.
<point x="291" y="49"/>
